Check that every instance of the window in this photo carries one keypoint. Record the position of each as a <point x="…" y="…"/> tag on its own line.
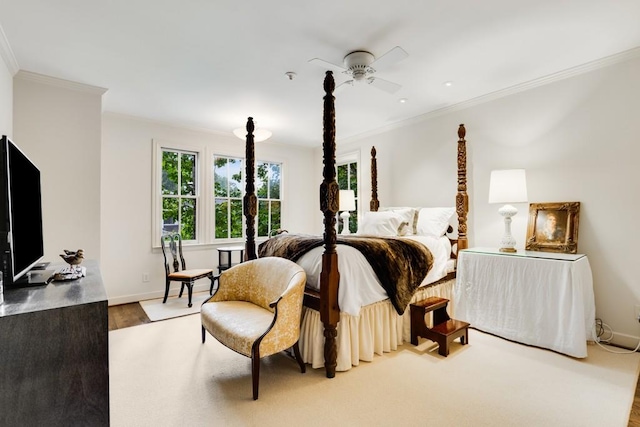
<point x="348" y="180"/>
<point x="179" y="195"/>
<point x="268" y="186"/>
<point x="201" y="194"/>
<point x="228" y="185"/>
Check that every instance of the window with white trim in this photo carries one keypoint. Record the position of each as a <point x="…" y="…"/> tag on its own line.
<point x="179" y="192"/>
<point x="201" y="194"/>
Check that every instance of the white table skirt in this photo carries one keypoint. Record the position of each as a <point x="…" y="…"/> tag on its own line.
<point x="543" y="302"/>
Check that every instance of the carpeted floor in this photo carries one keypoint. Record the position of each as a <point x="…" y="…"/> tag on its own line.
<point x="161" y="375"/>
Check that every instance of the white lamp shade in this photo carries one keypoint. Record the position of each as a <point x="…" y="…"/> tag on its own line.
<point x="347" y="200"/>
<point x="259" y="134"/>
<point x="508" y="186"/>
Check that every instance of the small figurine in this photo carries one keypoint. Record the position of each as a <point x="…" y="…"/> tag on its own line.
<point x="73" y="259"/>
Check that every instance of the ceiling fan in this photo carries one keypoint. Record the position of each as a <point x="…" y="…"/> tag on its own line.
<point x="361" y="66"/>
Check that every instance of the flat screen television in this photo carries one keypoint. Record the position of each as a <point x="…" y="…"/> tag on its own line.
<point x="21" y="237"/>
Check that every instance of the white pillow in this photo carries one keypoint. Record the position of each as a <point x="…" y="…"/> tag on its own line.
<point x="408" y="215"/>
<point x="380" y="224"/>
<point x="434" y="221"/>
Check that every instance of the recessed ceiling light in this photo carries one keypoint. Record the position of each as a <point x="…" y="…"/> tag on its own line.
<point x="448" y="84"/>
<point x="402" y="100"/>
<point x="290" y="75"/>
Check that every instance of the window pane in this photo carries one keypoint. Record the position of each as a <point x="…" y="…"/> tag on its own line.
<point x="275" y="215"/>
<point x="236" y="218"/>
<point x="188" y="174"/>
<point x="263" y="218"/>
<point x="353" y="222"/>
<point x="169" y="172"/>
<point x="274" y="182"/>
<point x="222" y="219"/>
<point x="220" y="176"/>
<point x="353" y="177"/>
<point x="235" y="178"/>
<point x="261" y="181"/>
<point x="188" y="219"/>
<point x="342" y="177"/>
<point x="170" y="221"/>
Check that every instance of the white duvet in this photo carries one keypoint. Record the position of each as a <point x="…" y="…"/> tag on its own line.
<point x="359" y="286"/>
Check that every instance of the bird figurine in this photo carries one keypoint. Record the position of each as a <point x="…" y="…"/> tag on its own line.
<point x="73" y="258"/>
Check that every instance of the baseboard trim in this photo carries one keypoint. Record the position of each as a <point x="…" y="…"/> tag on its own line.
<point x="127" y="299"/>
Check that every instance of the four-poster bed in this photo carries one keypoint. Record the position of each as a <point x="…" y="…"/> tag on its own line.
<point x="323" y="320"/>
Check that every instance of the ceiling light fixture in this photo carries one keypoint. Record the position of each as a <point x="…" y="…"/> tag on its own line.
<point x="448" y="84"/>
<point x="290" y="75"/>
<point x="259" y="134"/>
<point x="402" y="100"/>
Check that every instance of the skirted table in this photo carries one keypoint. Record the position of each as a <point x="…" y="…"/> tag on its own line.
<point x="537" y="298"/>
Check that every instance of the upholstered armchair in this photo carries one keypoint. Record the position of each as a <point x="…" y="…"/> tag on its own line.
<point x="256" y="310"/>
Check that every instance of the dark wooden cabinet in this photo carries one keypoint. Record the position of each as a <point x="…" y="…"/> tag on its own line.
<point x="54" y="353"/>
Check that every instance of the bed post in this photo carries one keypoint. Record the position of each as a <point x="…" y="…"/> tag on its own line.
<point x="374" y="204"/>
<point x="329" y="277"/>
<point x="462" y="199"/>
<point x="250" y="201"/>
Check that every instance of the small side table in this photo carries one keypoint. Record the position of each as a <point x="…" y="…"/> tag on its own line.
<point x="225" y="257"/>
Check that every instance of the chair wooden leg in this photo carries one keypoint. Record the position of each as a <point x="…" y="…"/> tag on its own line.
<point x="166" y="290"/>
<point x="190" y="291"/>
<point x="255" y="371"/>
<point x="204" y="335"/>
<point x="296" y="351"/>
<point x="181" y="290"/>
<point x="213" y="281"/>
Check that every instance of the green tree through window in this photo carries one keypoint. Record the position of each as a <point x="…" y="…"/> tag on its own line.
<point x="179" y="197"/>
<point x="229" y="191"/>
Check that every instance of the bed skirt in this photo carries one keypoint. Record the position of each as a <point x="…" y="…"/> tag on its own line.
<point x="378" y="329"/>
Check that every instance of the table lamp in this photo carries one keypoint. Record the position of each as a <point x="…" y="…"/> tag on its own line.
<point x="347" y="199"/>
<point x="508" y="186"/>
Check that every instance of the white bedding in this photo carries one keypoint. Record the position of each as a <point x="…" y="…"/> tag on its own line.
<point x="359" y="286"/>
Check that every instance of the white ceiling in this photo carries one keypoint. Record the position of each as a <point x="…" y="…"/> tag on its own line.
<point x="212" y="63"/>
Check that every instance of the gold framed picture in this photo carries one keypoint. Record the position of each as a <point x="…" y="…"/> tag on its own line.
<point x="553" y="227"/>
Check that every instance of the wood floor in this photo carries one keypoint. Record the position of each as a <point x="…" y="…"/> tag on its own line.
<point x="126" y="315"/>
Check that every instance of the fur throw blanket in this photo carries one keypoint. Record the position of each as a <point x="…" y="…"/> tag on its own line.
<point x="400" y="264"/>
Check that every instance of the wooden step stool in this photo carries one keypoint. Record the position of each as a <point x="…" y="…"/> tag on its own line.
<point x="445" y="329"/>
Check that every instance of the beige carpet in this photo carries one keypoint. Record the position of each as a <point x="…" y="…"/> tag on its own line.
<point x="161" y="375"/>
<point x="174" y="307"/>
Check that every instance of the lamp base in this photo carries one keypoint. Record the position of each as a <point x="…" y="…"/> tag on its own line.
<point x="508" y="243"/>
<point x="345" y="215"/>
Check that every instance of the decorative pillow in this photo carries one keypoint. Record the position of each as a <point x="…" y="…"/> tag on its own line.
<point x="434" y="221"/>
<point x="380" y="224"/>
<point x="409" y="215"/>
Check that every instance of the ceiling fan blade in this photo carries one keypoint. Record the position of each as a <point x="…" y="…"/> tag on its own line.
<point x="342" y="85"/>
<point x="396" y="54"/>
<point x="327" y="65"/>
<point x="385" y="85"/>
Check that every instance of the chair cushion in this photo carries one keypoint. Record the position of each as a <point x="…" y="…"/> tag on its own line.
<point x="190" y="274"/>
<point x="236" y="324"/>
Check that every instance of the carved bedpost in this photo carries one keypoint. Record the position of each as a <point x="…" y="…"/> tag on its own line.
<point x="462" y="199"/>
<point x="250" y="201"/>
<point x="374" y="204"/>
<point x="329" y="277"/>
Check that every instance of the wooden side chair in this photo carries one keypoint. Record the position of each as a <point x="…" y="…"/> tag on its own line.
<point x="257" y="310"/>
<point x="180" y="273"/>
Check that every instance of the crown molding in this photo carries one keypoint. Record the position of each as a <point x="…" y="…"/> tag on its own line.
<point x="607" y="61"/>
<point x="7" y="54"/>
<point x="54" y="81"/>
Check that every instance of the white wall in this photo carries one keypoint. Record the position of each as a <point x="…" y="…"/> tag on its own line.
<point x="126" y="201"/>
<point x="57" y="124"/>
<point x="6" y="87"/>
<point x="578" y="140"/>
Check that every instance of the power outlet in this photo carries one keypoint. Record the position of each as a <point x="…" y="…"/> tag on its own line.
<point x="637" y="312"/>
<point x="145" y="278"/>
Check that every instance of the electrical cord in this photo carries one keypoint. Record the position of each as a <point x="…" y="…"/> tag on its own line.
<point x="599" y="329"/>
